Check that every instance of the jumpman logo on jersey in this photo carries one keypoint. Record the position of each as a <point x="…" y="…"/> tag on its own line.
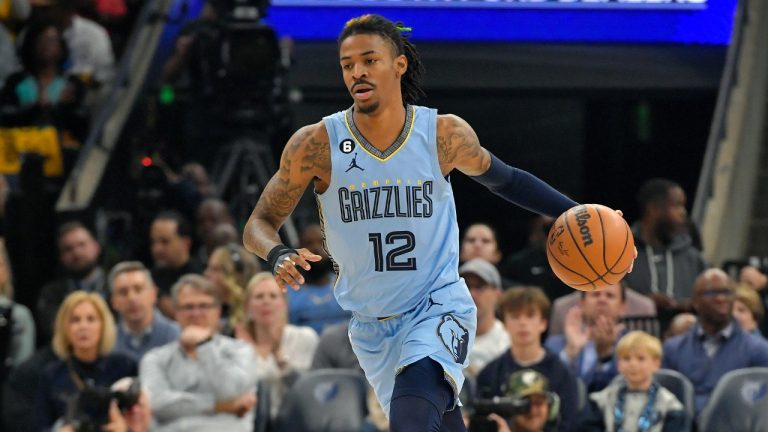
<point x="431" y="302"/>
<point x="354" y="164"/>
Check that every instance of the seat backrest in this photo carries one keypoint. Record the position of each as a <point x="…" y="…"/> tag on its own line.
<point x="682" y="388"/>
<point x="325" y="400"/>
<point x="262" y="409"/>
<point x="647" y="323"/>
<point x="739" y="402"/>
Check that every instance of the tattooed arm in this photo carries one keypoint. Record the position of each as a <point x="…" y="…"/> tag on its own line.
<point x="459" y="148"/>
<point x="306" y="158"/>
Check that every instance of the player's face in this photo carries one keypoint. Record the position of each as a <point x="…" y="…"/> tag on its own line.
<point x="638" y="368"/>
<point x="371" y="71"/>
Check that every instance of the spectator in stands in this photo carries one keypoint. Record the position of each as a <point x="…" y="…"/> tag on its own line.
<point x="229" y="269"/>
<point x="79" y="254"/>
<point x="638" y="305"/>
<point x="529" y="266"/>
<point x="752" y="276"/>
<point x="637" y="402"/>
<point x="282" y="350"/>
<point x="210" y="213"/>
<point x="314" y="305"/>
<point x="480" y="241"/>
<point x="84" y="336"/>
<point x="715" y="345"/>
<point x="748" y="309"/>
<point x="8" y="61"/>
<point x="525" y="311"/>
<point x="590" y="335"/>
<point x="140" y="326"/>
<point x="680" y="324"/>
<point x="90" y="48"/>
<point x="20" y="392"/>
<point x="667" y="263"/>
<point x="484" y="283"/>
<point x="41" y="94"/>
<point x="542" y="412"/>
<point x="171" y="241"/>
<point x="204" y="381"/>
<point x="17" y="328"/>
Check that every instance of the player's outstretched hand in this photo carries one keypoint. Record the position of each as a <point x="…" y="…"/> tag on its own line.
<point x="631" y="266"/>
<point x="288" y="274"/>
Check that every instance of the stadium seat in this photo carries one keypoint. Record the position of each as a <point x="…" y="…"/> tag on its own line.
<point x="581" y="390"/>
<point x="325" y="400"/>
<point x="261" y="418"/>
<point x="739" y="402"/>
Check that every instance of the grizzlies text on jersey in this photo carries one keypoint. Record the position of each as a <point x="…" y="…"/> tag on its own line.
<point x="388" y="216"/>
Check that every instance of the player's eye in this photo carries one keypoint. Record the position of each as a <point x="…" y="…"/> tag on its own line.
<point x="371" y="61"/>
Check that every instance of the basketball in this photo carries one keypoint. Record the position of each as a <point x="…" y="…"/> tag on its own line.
<point x="590" y="246"/>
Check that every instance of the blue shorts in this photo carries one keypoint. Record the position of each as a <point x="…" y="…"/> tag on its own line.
<point x="441" y="327"/>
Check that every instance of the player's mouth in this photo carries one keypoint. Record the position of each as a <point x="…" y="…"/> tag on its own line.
<point x="362" y="92"/>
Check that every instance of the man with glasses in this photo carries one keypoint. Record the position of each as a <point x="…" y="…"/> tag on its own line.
<point x="716" y="344"/>
<point x="203" y="381"/>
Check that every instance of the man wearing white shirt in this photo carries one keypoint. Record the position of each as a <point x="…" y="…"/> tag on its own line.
<point x="484" y="283"/>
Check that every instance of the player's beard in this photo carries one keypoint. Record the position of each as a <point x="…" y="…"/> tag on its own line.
<point x="367" y="109"/>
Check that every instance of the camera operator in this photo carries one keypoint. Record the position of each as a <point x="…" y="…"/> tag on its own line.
<point x="129" y="411"/>
<point x="529" y="406"/>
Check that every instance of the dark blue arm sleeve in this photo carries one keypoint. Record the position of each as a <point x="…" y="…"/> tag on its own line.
<point x="524" y="189"/>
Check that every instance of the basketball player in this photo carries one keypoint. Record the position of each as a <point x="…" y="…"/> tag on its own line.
<point x="380" y="172"/>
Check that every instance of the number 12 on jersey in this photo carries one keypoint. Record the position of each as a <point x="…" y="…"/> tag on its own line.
<point x="390" y="262"/>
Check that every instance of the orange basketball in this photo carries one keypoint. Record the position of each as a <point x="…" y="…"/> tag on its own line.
<point x="590" y="246"/>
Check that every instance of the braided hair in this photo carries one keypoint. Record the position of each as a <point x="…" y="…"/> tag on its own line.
<point x="410" y="82"/>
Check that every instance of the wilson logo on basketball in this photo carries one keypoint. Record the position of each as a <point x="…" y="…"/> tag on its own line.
<point x="582" y="216"/>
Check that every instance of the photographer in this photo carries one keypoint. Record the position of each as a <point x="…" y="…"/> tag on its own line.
<point x="529" y="406"/>
<point x="129" y="410"/>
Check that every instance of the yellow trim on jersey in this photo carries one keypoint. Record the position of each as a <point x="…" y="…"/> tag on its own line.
<point x="405" y="141"/>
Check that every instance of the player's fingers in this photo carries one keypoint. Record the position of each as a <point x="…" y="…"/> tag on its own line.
<point x="290" y="273"/>
<point x="621" y="213"/>
<point x="308" y="255"/>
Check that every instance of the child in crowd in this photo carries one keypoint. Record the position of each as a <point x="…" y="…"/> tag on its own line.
<point x="636" y="403"/>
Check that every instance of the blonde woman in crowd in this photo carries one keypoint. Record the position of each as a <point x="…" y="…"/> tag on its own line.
<point x="84" y="335"/>
<point x="229" y="269"/>
<point x="282" y="350"/>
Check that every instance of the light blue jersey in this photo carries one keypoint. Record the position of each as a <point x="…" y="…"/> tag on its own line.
<point x="390" y="226"/>
<point x="389" y="217"/>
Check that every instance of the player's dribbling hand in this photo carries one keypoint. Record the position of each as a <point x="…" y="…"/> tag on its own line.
<point x="634" y="257"/>
<point x="288" y="274"/>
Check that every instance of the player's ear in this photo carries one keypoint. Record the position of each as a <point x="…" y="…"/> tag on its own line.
<point x="401" y="65"/>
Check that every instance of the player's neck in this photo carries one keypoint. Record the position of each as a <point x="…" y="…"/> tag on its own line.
<point x="382" y="126"/>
